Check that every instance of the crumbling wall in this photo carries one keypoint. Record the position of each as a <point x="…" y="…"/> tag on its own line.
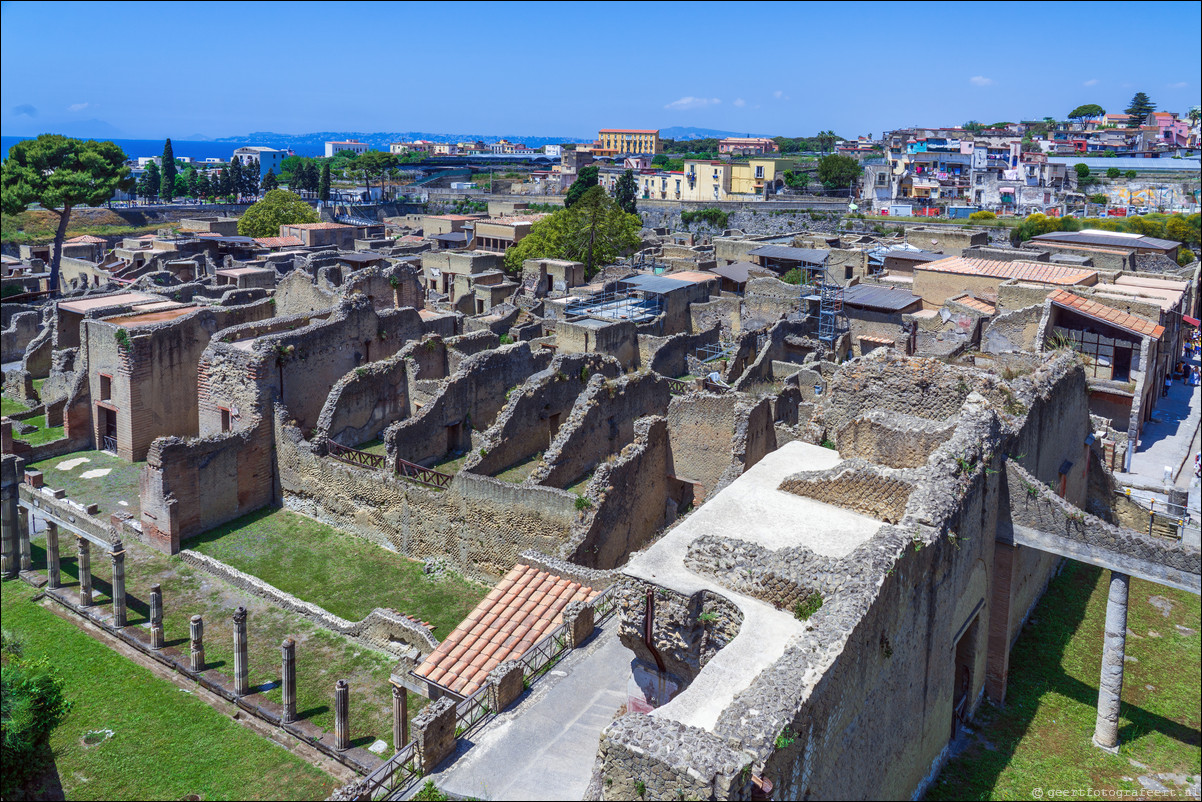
<point x="535" y="410"/>
<point x="766" y="300"/>
<point x="479" y="524"/>
<point x="601" y="423"/>
<point x="617" y="339"/>
<point x="21" y="329"/>
<point x="470" y="399"/>
<point x="296" y="293"/>
<point x="701" y="426"/>
<point x="668" y="356"/>
<point x="366" y="400"/>
<point x="1012" y="331"/>
<point x="855" y="485"/>
<point x="893" y="439"/>
<point x="634" y="496"/>
<point x="722" y="312"/>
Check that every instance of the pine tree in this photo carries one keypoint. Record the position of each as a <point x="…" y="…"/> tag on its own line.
<point x="269" y="181"/>
<point x="250" y="179"/>
<point x="204" y="187"/>
<point x="167" y="190"/>
<point x="1141" y="106"/>
<point x="323" y="190"/>
<point x="626" y="192"/>
<point x="150" y="182"/>
<point x="234" y="176"/>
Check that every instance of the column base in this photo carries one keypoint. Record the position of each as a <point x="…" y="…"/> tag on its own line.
<point x="1114" y="750"/>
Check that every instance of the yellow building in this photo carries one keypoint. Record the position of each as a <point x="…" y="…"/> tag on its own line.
<point x="621" y="141"/>
<point x="720" y="180"/>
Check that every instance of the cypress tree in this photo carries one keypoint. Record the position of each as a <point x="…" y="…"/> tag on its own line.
<point x="234" y="175"/>
<point x="323" y="191"/>
<point x="167" y="192"/>
<point x="269" y="181"/>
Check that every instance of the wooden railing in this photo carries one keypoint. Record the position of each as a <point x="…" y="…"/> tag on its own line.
<point x="427" y="476"/>
<point x="354" y="456"/>
<point x="679" y="387"/>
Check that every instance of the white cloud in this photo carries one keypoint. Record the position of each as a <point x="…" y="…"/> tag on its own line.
<point x="740" y="102"/>
<point x="1091" y="82"/>
<point x="780" y="95"/>
<point x="687" y="103"/>
<point x="78" y="106"/>
<point x="980" y="80"/>
<point x="1178" y="85"/>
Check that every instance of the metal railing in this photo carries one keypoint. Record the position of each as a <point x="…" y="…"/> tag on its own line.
<point x="108" y="444"/>
<point x="1165" y="519"/>
<point x="354" y="456"/>
<point x="426" y="476"/>
<point x="392" y="778"/>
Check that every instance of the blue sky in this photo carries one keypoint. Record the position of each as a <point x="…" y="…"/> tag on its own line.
<point x="565" y="69"/>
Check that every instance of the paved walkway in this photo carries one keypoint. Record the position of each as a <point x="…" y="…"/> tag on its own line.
<point x="544" y="747"/>
<point x="1168" y="443"/>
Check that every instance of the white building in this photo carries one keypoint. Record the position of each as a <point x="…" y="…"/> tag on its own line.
<point x="145" y="160"/>
<point x="267" y="158"/>
<point x="554" y="151"/>
<point x="352" y="145"/>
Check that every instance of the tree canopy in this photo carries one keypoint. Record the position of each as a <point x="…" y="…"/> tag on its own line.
<point x="61" y="173"/>
<point x="585" y="179"/>
<point x="34" y="702"/>
<point x="1140" y="107"/>
<point x="594" y="230"/>
<point x="269" y="181"/>
<point x="167" y="190"/>
<point x="1086" y="111"/>
<point x="279" y="207"/>
<point x="626" y="193"/>
<point x="838" y="172"/>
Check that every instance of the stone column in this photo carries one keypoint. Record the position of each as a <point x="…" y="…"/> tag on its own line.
<point x="117" y="555"/>
<point x="342" y="714"/>
<point x="156" y="617"/>
<point x="434" y="733"/>
<point x="1110" y="687"/>
<point x="241" y="670"/>
<point x="85" y="571"/>
<point x="578" y="617"/>
<point x="9" y="561"/>
<point x="24" y="549"/>
<point x="400" y="717"/>
<point x="53" y="568"/>
<point x="196" y="630"/>
<point x="288" y="680"/>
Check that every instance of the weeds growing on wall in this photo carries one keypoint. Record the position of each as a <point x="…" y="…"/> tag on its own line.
<point x="807" y="606"/>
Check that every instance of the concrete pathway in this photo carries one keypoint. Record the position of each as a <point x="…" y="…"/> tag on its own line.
<point x="545" y="746"/>
<point x="1169" y="442"/>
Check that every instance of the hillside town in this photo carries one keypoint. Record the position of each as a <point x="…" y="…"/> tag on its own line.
<point x="727" y="468"/>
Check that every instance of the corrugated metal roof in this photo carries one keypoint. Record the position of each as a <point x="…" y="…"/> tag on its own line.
<point x="1098" y="238"/>
<point x="810" y="256"/>
<point x="915" y="256"/>
<point x="656" y="284"/>
<point x="737" y="272"/>
<point x="868" y="296"/>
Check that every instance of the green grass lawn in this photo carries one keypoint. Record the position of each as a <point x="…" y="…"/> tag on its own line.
<point x="165" y="743"/>
<point x="1041" y="738"/>
<point x="343" y="574"/>
<point x="120" y="484"/>
<point x="376" y="446"/>
<point x="44" y="433"/>
<point x="11" y="406"/>
<point x="519" y="473"/>
<point x="451" y="463"/>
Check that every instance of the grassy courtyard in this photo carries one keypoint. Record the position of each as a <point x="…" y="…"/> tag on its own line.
<point x="95" y="476"/>
<point x="343" y="574"/>
<point x="164" y="742"/>
<point x="1040" y="740"/>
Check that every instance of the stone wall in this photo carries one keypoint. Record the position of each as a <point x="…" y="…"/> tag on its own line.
<point x="1012" y="331"/>
<point x="479" y="524"/>
<point x="601" y="424"/>
<point x="766" y="300"/>
<point x="365" y="401"/>
<point x="536" y="409"/>
<point x="470" y="399"/>
<point x="879" y="493"/>
<point x="21" y="328"/>
<point x="667" y="356"/>
<point x="618" y="339"/>
<point x="701" y="426"/>
<point x="383" y="630"/>
<point x="892" y="439"/>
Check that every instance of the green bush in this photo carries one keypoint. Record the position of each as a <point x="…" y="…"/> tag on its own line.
<point x="506" y="339"/>
<point x="1113" y="172"/>
<point x="792" y="277"/>
<point x="1098" y="198"/>
<point x="32" y="703"/>
<point x="715" y="217"/>
<point x="1185" y="257"/>
<point x="1130" y="174"/>
<point x="1082" y="170"/>
<point x="807" y="606"/>
<point x="982" y="216"/>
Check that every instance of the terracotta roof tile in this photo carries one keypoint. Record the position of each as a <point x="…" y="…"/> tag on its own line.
<point x="516" y="614"/>
<point x="1106" y="314"/>
<point x="279" y="242"/>
<point x="1040" y="272"/>
<point x="974" y="303"/>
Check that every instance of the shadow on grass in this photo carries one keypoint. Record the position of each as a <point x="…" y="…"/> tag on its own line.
<point x="363" y="741"/>
<point x="37" y="780"/>
<point x="1035" y="672"/>
<point x="313" y="711"/>
<point x="218" y="532"/>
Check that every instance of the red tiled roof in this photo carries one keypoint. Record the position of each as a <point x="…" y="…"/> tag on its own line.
<point x="318" y="226"/>
<point x="86" y="239"/>
<point x="1106" y="314"/>
<point x="515" y="615"/>
<point x="975" y="303"/>
<point x="1023" y="271"/>
<point x="279" y="242"/>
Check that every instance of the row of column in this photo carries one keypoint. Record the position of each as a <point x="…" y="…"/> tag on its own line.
<point x="17" y="553"/>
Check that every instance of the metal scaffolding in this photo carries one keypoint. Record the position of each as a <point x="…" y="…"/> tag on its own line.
<point x="822" y="296"/>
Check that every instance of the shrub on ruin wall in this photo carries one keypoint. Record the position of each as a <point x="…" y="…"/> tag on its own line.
<point x="34" y="702"/>
<point x="279" y="207"/>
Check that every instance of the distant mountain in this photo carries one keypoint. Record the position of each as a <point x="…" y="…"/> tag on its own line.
<point x="81" y="129"/>
<point x="381" y="140"/>
<point x="679" y="132"/>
